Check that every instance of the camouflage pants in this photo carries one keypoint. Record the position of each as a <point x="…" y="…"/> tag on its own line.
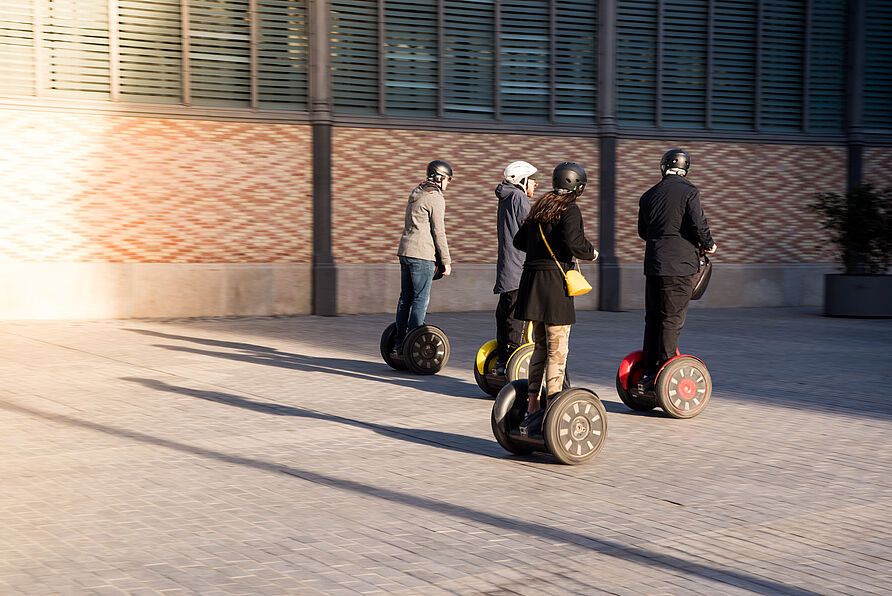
<point x="550" y="354"/>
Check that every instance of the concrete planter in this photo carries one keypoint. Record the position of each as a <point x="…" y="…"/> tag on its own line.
<point x="858" y="295"/>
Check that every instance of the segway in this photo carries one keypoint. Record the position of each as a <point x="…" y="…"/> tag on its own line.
<point x="682" y="386"/>
<point x="573" y="429"/>
<point x="517" y="367"/>
<point x="425" y="349"/>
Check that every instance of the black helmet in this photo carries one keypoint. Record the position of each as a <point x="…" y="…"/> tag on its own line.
<point x="439" y="168"/>
<point x="675" y="158"/>
<point x="569" y="176"/>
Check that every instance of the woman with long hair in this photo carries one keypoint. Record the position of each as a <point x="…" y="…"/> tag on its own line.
<point x="542" y="298"/>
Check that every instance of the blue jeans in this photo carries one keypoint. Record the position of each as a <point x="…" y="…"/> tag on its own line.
<point x="415" y="293"/>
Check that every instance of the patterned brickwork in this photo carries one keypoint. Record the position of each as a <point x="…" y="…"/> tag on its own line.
<point x="98" y="188"/>
<point x="374" y="170"/>
<point x="756" y="207"/>
<point x="877" y="169"/>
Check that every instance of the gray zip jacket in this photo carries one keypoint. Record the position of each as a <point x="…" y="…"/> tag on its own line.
<point x="424" y="233"/>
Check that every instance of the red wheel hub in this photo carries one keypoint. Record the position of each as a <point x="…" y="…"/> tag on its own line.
<point x="687" y="388"/>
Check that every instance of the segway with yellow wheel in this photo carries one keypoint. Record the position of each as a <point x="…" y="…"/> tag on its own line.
<point x="487" y="362"/>
<point x="573" y="429"/>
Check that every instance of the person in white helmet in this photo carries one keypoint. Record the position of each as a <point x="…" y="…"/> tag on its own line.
<point x="514" y="193"/>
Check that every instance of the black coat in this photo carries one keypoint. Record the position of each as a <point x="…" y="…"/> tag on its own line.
<point x="671" y="221"/>
<point x="514" y="205"/>
<point x="542" y="295"/>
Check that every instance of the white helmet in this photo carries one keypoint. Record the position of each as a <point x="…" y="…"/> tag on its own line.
<point x="517" y="172"/>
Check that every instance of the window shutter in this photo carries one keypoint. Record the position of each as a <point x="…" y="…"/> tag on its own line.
<point x="17" y="48"/>
<point x="782" y="64"/>
<point x="150" y="51"/>
<point x="576" y="61"/>
<point x="684" y="63"/>
<point x="219" y="53"/>
<point x="878" y="67"/>
<point x="411" y="58"/>
<point x="75" y="38"/>
<point x="282" y="54"/>
<point x="734" y="64"/>
<point x="636" y="62"/>
<point x="354" y="46"/>
<point x="468" y="59"/>
<point x="525" y="57"/>
<point x="827" y="74"/>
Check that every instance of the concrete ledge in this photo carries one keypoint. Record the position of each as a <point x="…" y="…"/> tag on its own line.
<point x="735" y="285"/>
<point x="127" y="290"/>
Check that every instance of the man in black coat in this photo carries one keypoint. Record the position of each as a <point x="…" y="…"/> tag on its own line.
<point x="672" y="222"/>
<point x="521" y="180"/>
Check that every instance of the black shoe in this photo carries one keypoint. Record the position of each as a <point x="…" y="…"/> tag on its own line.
<point x="532" y="423"/>
<point x="646" y="384"/>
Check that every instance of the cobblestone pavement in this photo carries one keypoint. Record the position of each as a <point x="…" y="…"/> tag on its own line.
<point x="281" y="456"/>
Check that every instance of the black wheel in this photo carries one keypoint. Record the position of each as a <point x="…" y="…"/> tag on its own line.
<point x="484" y="381"/>
<point x="508" y="411"/>
<point x="575" y="426"/>
<point x="683" y="387"/>
<point x="639" y="403"/>
<point x="426" y="350"/>
<point x="518" y="366"/>
<point x="387" y="340"/>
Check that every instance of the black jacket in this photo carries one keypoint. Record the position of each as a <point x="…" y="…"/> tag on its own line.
<point x="542" y="295"/>
<point x="671" y="221"/>
<point x="514" y="205"/>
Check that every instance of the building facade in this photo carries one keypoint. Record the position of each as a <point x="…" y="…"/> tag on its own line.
<point x="246" y="157"/>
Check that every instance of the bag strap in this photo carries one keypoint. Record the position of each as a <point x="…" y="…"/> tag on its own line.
<point x="552" y="252"/>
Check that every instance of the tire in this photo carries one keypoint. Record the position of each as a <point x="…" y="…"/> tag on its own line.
<point x="683" y="387"/>
<point x="518" y="366"/>
<point x="490" y="360"/>
<point x="639" y="403"/>
<point x="387" y="340"/>
<point x="575" y="426"/>
<point x="426" y="350"/>
<point x="508" y="411"/>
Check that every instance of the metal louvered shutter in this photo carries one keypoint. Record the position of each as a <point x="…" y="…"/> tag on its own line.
<point x="219" y="53"/>
<point x="636" y="62"/>
<point x="17" y="66"/>
<point x="783" y="38"/>
<point x="684" y="63"/>
<point x="282" y="54"/>
<point x="468" y="59"/>
<point x="878" y="66"/>
<point x="734" y="65"/>
<point x="525" y="59"/>
<point x="412" y="80"/>
<point x="150" y="51"/>
<point x="354" y="57"/>
<point x="576" y="60"/>
<point x="75" y="35"/>
<point x="827" y="69"/>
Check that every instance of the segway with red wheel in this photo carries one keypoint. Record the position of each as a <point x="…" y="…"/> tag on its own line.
<point x="573" y="429"/>
<point x="682" y="386"/>
<point x="425" y="349"/>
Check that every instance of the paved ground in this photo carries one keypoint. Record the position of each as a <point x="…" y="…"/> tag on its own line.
<point x="281" y="456"/>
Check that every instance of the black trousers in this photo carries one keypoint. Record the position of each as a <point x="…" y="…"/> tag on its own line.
<point x="666" y="300"/>
<point x="509" y="331"/>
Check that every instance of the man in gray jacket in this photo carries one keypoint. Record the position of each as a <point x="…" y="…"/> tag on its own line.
<point x="422" y="249"/>
<point x="521" y="179"/>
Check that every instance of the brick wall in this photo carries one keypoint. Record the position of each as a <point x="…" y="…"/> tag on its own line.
<point x="877" y="168"/>
<point x="120" y="189"/>
<point x="374" y="170"/>
<point x="754" y="196"/>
